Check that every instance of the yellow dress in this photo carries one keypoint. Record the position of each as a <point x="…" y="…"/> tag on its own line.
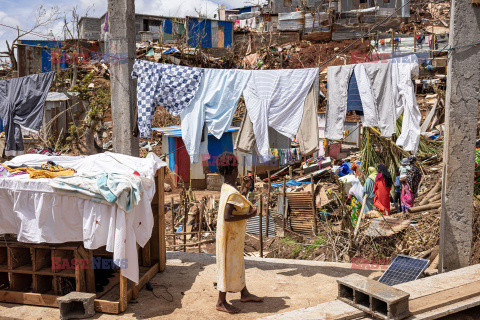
<point x="231" y="241"/>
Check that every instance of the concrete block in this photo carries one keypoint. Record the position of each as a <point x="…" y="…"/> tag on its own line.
<point x="373" y="297"/>
<point x="76" y="305"/>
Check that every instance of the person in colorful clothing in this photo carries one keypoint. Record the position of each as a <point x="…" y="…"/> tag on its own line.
<point x="382" y="187"/>
<point x="398" y="191"/>
<point x="355" y="196"/>
<point x="406" y="197"/>
<point x="368" y="188"/>
<point x="233" y="211"/>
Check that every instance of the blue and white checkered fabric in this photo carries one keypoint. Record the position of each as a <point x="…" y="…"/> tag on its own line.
<point x="170" y="86"/>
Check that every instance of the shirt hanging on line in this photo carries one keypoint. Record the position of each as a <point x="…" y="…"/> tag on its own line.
<point x="307" y="135"/>
<point x="22" y="104"/>
<point x="213" y="106"/>
<point x="170" y="86"/>
<point x="276" y="98"/>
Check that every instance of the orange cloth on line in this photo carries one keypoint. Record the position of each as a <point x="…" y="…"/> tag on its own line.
<point x="38" y="174"/>
<point x="382" y="195"/>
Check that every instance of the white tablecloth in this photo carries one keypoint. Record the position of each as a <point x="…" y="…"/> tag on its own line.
<point x="36" y="213"/>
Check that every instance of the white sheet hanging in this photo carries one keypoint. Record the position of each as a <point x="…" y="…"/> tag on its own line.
<point x="403" y="70"/>
<point x="36" y="213"/>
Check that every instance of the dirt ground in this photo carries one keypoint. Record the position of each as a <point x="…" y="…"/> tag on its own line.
<point x="189" y="282"/>
<point x="186" y="290"/>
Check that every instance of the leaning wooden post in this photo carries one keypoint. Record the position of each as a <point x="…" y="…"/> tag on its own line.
<point x="200" y="222"/>
<point x="185" y="218"/>
<point x="260" y="225"/>
<point x="284" y="204"/>
<point x="172" y="206"/>
<point x="360" y="216"/>
<point x="268" y="205"/>
<point x="161" y="221"/>
<point x="314" y="210"/>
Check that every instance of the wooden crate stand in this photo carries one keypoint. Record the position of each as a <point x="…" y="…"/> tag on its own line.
<point x="29" y="273"/>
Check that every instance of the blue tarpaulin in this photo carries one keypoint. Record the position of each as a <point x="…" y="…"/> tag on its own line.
<point x="290" y="183"/>
<point x="168" y="26"/>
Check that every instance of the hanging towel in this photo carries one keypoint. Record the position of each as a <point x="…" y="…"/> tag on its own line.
<point x="276" y="98"/>
<point x="307" y="135"/>
<point x="337" y="95"/>
<point x="22" y="102"/>
<point x="214" y="105"/>
<point x="403" y="70"/>
<point x="170" y="86"/>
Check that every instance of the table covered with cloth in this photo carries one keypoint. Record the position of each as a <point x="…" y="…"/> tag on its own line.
<point x="39" y="213"/>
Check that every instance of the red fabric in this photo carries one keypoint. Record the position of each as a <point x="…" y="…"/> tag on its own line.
<point x="382" y="195"/>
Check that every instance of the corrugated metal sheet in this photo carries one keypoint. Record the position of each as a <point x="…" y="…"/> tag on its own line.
<point x="291" y="21"/>
<point x="313" y="23"/>
<point x="200" y="31"/>
<point x="300" y="212"/>
<point x="227" y="33"/>
<point x="254" y="228"/>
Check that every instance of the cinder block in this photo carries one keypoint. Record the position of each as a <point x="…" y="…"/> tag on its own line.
<point x="373" y="297"/>
<point x="76" y="305"/>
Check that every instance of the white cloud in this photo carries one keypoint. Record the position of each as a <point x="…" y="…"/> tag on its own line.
<point x="8" y="20"/>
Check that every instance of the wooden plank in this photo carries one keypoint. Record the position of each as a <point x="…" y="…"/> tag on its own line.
<point x="161" y="221"/>
<point x="133" y="292"/>
<point x="146" y="255"/>
<point x="29" y="298"/>
<point x="314" y="211"/>
<point x="89" y="272"/>
<point x="80" y="284"/>
<point x="123" y="300"/>
<point x="443" y="298"/>
<point x="200" y="223"/>
<point x="104" y="306"/>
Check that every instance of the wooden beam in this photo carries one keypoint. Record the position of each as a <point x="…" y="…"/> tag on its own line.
<point x="443" y="298"/>
<point x="146" y="256"/>
<point x="123" y="300"/>
<point x="35" y="299"/>
<point x="268" y="203"/>
<point x="161" y="221"/>
<point x="90" y="273"/>
<point x="314" y="210"/>
<point x="104" y="306"/>
<point x="80" y="283"/>
<point x="133" y="292"/>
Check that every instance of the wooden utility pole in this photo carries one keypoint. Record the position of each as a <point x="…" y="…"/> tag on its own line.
<point x="121" y="19"/>
<point x="461" y="112"/>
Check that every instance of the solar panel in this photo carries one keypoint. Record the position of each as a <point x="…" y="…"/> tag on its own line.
<point x="403" y="269"/>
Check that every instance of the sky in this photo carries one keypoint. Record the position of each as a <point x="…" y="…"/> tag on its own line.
<point x="23" y="13"/>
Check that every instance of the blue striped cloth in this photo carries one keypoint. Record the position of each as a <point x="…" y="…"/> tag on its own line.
<point x="354" y="103"/>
